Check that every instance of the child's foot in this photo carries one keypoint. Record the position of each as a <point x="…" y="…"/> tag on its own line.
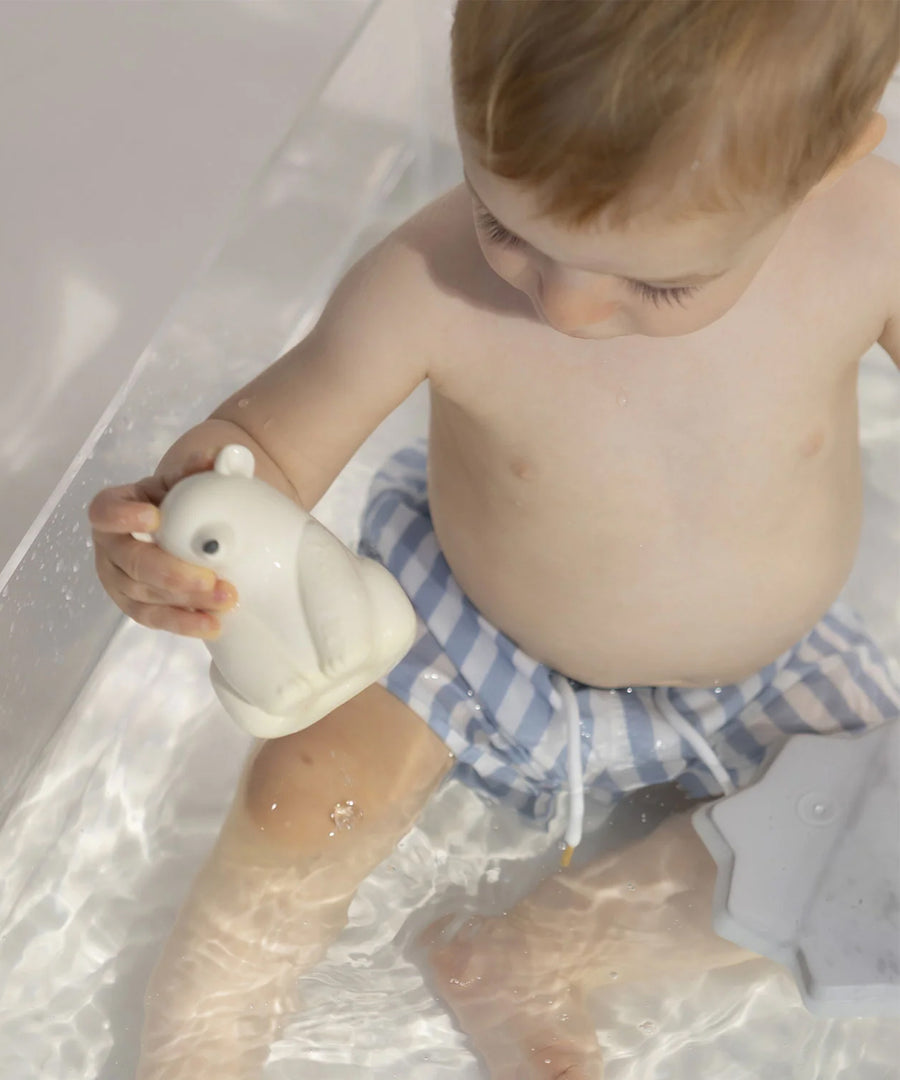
<point x="524" y="1019"/>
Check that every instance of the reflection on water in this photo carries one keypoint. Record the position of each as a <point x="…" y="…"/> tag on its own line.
<point x="98" y="860"/>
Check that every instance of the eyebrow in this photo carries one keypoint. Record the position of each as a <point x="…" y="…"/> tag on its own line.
<point x="682" y="279"/>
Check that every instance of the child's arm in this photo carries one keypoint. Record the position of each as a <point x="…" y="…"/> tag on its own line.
<point x="890" y="335"/>
<point x="303" y="418"/>
<point x="890" y="338"/>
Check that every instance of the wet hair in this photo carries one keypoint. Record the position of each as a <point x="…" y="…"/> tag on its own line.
<point x="718" y="103"/>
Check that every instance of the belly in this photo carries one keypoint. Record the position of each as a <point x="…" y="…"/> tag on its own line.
<point x="649" y="568"/>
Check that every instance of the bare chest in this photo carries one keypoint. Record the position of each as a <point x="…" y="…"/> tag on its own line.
<point x="712" y="416"/>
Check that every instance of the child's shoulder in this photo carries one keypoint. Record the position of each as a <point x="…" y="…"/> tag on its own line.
<point x="442" y="237"/>
<point x="854" y="227"/>
<point x="870" y="201"/>
<point x="430" y="261"/>
<point x="867" y="199"/>
<point x="430" y="276"/>
<point x="878" y="198"/>
<point x="877" y="181"/>
<point x="400" y="286"/>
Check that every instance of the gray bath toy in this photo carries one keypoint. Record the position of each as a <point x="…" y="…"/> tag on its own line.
<point x="809" y="869"/>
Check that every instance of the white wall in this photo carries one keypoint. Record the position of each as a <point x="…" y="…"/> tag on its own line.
<point x="128" y="133"/>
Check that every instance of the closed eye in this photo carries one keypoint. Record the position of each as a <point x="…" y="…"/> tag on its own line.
<point x="498" y="234"/>
<point x="494" y="231"/>
<point x="676" y="294"/>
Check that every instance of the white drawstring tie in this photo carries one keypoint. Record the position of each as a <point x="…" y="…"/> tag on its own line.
<point x="575" y="824"/>
<point x="691" y="735"/>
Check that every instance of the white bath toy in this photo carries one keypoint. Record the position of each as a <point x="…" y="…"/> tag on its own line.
<point x="315" y="624"/>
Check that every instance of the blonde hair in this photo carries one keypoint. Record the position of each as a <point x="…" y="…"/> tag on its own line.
<point x="584" y="101"/>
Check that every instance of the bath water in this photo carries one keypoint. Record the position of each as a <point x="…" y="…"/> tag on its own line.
<point x="97" y="858"/>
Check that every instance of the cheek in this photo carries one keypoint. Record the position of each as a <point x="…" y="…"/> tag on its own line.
<point x="508" y="263"/>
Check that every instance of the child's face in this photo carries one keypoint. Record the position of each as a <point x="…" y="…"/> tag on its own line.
<point x="654" y="276"/>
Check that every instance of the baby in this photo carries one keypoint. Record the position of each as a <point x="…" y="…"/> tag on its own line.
<point x="641" y="319"/>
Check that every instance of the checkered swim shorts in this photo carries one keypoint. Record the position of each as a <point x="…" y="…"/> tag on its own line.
<point x="498" y="712"/>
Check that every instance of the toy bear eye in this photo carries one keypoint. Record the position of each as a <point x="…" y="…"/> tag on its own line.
<point x="213" y="543"/>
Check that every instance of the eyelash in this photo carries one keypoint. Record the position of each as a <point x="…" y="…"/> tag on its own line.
<point x="496" y="233"/>
<point x="677" y="294"/>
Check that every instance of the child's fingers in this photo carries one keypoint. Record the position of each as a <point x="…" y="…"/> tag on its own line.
<point x="131" y="508"/>
<point x="150" y="574"/>
<point x="198" y="624"/>
<point x="193" y="614"/>
<point x="126" y="509"/>
<point x="151" y="586"/>
<point x="178" y="591"/>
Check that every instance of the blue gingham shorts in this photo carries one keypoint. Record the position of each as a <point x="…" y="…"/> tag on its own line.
<point x="500" y="716"/>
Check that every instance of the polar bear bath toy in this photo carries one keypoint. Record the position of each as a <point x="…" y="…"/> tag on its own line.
<point x="314" y="625"/>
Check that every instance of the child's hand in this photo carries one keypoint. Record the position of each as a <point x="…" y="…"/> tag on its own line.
<point x="149" y="585"/>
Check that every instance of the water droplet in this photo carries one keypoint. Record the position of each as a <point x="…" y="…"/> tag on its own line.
<point x="629" y="690"/>
<point x="345" y="814"/>
<point x="622" y="399"/>
<point x="243" y="403"/>
<point x="718" y="690"/>
<point x="630" y="886"/>
<point x="614" y="974"/>
<point x="647" y="1026"/>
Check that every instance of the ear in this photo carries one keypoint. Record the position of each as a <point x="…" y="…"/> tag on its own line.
<point x="867" y="141"/>
<point x="235" y="460"/>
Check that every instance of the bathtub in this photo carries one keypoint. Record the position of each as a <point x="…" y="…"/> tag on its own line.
<point x="119" y="764"/>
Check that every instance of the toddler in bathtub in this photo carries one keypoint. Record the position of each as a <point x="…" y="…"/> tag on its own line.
<point x="641" y="319"/>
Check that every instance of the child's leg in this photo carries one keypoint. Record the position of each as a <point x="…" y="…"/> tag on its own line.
<point x="315" y="812"/>
<point x="516" y="982"/>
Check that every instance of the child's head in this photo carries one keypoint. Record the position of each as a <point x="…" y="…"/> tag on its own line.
<point x="636" y="143"/>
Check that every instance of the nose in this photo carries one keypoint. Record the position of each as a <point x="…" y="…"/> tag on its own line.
<point x="571" y="300"/>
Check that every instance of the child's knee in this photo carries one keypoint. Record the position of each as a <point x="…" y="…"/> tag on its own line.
<point x="343" y="781"/>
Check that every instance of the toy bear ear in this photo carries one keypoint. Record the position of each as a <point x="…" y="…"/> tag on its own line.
<point x="235" y="460"/>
